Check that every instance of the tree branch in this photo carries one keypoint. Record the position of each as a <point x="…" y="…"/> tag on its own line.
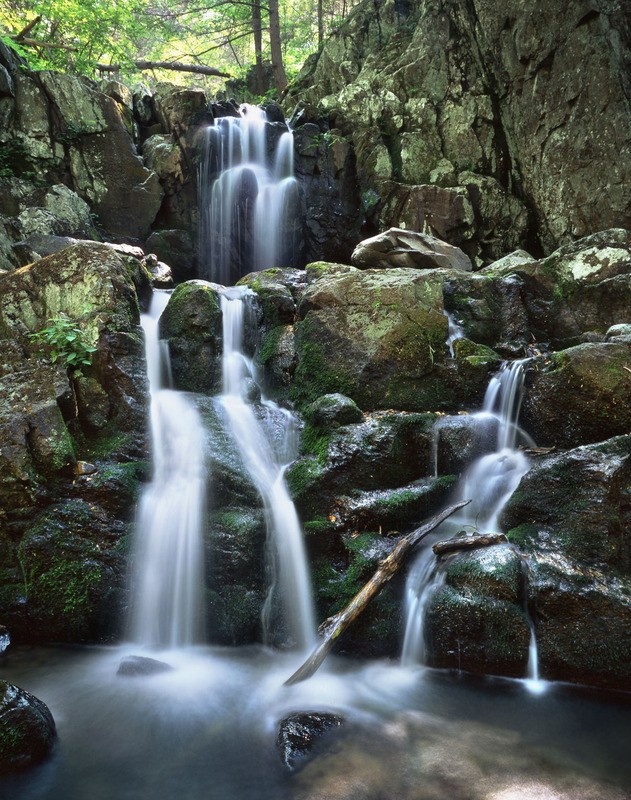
<point x="332" y="628"/>
<point x="198" y="69"/>
<point x="19" y="36"/>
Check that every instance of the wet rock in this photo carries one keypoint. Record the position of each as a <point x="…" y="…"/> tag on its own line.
<point x="460" y="440"/>
<point x="402" y="248"/>
<point x="175" y="248"/>
<point x="27" y="729"/>
<point x="299" y="734"/>
<point x="141" y="666"/>
<point x="332" y="410"/>
<point x="371" y="335"/>
<point x="192" y="326"/>
<point x="475" y="621"/>
<point x="619" y="333"/>
<point x="571" y="514"/>
<point x="5" y="639"/>
<point x="579" y="395"/>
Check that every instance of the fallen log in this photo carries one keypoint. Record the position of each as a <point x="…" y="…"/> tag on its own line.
<point x="198" y="69"/>
<point x="334" y="626"/>
<point x="469" y="543"/>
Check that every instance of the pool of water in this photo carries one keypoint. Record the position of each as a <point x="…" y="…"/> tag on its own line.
<point x="208" y="730"/>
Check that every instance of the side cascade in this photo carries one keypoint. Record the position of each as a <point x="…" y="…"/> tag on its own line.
<point x="266" y="436"/>
<point x="489" y="482"/>
<point x="248" y="197"/>
<point x="168" y="562"/>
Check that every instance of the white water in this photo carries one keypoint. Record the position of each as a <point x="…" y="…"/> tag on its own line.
<point x="455" y="332"/>
<point x="488" y="483"/>
<point x="168" y="560"/>
<point x="290" y="595"/>
<point x="247" y="198"/>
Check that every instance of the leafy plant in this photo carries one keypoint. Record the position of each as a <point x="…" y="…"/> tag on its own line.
<point x="64" y="341"/>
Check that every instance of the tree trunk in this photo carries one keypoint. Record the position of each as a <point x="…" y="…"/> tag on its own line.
<point x="257" y="29"/>
<point x="320" y="23"/>
<point x="280" y="79"/>
<point x="334" y="626"/>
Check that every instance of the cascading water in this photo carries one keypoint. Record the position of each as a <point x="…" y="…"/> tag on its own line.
<point x="168" y="572"/>
<point x="248" y="197"/>
<point x="488" y="483"/>
<point x="265" y="457"/>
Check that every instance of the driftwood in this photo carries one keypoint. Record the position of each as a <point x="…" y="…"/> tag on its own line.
<point x="469" y="543"/>
<point x="198" y="69"/>
<point x="334" y="626"/>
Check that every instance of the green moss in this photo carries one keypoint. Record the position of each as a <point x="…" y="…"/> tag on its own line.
<point x="129" y="475"/>
<point x="271" y="344"/>
<point x="319" y="526"/>
<point x="523" y="535"/>
<point x="315" y="442"/>
<point x="109" y="441"/>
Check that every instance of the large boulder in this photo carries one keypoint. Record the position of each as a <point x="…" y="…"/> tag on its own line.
<point x="27" y="729"/>
<point x="401" y="248"/>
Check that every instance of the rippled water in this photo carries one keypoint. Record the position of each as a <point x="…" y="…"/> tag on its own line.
<point x="208" y="730"/>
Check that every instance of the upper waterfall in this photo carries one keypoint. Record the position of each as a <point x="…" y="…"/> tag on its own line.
<point x="248" y="197"/>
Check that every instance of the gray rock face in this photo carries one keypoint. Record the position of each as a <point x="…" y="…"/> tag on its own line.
<point x="298" y="735"/>
<point x="496" y="143"/>
<point x="27" y="729"/>
<point x="401" y="248"/>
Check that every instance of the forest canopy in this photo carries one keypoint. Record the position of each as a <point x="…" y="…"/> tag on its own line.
<point x="271" y="38"/>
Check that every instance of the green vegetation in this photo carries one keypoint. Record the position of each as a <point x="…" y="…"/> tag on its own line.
<point x="64" y="341"/>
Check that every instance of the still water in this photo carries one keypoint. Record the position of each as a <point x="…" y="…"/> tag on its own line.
<point x="208" y="730"/>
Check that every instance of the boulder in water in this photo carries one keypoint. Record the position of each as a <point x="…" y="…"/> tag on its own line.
<point x="135" y="666"/>
<point x="300" y="733"/>
<point x="5" y="639"/>
<point x="402" y="248"/>
<point x="27" y="729"/>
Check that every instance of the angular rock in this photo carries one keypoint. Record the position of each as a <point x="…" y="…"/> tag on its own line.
<point x="300" y="733"/>
<point x="27" y="729"/>
<point x="175" y="248"/>
<point x="403" y="248"/>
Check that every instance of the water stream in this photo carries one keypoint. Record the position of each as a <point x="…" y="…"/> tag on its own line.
<point x="168" y="571"/>
<point x="488" y="482"/>
<point x="267" y="442"/>
<point x="248" y="197"/>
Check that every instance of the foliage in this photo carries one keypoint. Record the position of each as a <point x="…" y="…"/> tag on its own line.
<point x="77" y="35"/>
<point x="64" y="341"/>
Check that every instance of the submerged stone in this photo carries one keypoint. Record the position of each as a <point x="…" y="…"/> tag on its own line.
<point x="137" y="666"/>
<point x="299" y="734"/>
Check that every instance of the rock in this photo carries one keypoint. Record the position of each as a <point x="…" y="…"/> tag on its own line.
<point x="117" y="91"/>
<point x="332" y="410"/>
<point x="140" y="666"/>
<point x="192" y="325"/>
<point x="579" y="395"/>
<point x="475" y="621"/>
<point x="27" y="729"/>
<point x="370" y="335"/>
<point x="85" y="468"/>
<point x="460" y="440"/>
<point x="507" y="264"/>
<point x="619" y="333"/>
<point x="570" y="513"/>
<point x="175" y="248"/>
<point x="402" y="248"/>
<point x="5" y="640"/>
<point x="161" y="275"/>
<point x="299" y="734"/>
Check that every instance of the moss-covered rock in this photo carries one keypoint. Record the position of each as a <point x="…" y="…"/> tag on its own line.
<point x="579" y="395"/>
<point x="27" y="729"/>
<point x="191" y="324"/>
<point x="372" y="335"/>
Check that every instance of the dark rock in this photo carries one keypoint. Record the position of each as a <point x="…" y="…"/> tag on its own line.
<point x="475" y="621"/>
<point x="175" y="248"/>
<point x="578" y="396"/>
<point x="571" y="514"/>
<point x="27" y="729"/>
<point x="140" y="666"/>
<point x="192" y="325"/>
<point x="300" y="734"/>
<point x="402" y="248"/>
<point x="332" y="410"/>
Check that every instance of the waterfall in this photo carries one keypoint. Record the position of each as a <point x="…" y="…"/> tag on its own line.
<point x="266" y="439"/>
<point x="455" y="332"/>
<point x="248" y="197"/>
<point x="168" y="571"/>
<point x="488" y="482"/>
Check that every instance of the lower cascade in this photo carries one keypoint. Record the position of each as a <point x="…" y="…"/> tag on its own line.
<point x="168" y="576"/>
<point x="267" y="441"/>
<point x="488" y="482"/>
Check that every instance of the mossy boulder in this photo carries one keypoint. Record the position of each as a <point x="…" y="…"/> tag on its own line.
<point x="191" y="324"/>
<point x="27" y="729"/>
<point x="570" y="514"/>
<point x="372" y="335"/>
<point x="579" y="395"/>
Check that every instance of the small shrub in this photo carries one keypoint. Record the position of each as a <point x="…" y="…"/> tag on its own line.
<point x="64" y="341"/>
